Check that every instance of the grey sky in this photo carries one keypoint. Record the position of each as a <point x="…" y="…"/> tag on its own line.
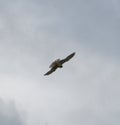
<point x="8" y="114"/>
<point x="33" y="33"/>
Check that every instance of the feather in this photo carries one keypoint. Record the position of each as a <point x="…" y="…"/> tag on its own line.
<point x="58" y="64"/>
<point x="67" y="58"/>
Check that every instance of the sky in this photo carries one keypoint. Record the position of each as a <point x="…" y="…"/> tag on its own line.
<point x="33" y="33"/>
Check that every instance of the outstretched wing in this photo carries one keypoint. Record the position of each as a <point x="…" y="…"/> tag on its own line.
<point x="50" y="71"/>
<point x="67" y="58"/>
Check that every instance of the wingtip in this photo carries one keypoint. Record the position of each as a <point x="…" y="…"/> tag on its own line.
<point x="46" y="74"/>
<point x="74" y="52"/>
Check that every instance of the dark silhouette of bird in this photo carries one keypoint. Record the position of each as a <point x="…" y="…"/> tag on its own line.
<point x="59" y="63"/>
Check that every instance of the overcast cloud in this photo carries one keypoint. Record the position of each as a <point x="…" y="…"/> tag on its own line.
<point x="9" y="114"/>
<point x="33" y="33"/>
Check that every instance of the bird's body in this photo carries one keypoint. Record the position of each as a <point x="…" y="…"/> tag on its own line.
<point x="58" y="63"/>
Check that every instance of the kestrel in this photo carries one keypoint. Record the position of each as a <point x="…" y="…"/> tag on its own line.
<point x="59" y="63"/>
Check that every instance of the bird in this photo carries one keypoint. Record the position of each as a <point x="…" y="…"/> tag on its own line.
<point x="58" y="64"/>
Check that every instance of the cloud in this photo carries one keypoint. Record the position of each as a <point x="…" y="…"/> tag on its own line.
<point x="116" y="7"/>
<point x="91" y="24"/>
<point x="33" y="34"/>
<point x="9" y="114"/>
<point x="91" y="117"/>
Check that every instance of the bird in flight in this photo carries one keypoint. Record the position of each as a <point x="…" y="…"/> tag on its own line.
<point x="58" y="64"/>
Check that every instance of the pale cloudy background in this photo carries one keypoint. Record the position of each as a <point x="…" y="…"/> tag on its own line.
<point x="35" y="32"/>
